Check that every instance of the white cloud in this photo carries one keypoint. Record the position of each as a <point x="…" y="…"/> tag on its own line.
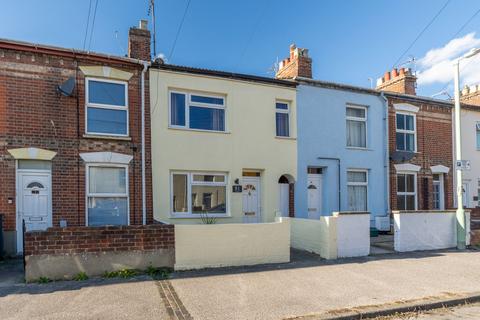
<point x="437" y="64"/>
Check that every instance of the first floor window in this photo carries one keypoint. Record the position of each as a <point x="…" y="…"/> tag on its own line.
<point x="199" y="193"/>
<point x="107" y="107"/>
<point x="405" y="132"/>
<point x="477" y="131"/>
<point x="356" y="127"/>
<point x="107" y="195"/>
<point x="406" y="191"/>
<point x="194" y="111"/>
<point x="282" y="120"/>
<point x="357" y="182"/>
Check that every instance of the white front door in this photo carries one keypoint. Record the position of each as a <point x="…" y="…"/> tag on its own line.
<point x="284" y="199"/>
<point x="251" y="199"/>
<point x="314" y="190"/>
<point x="34" y="205"/>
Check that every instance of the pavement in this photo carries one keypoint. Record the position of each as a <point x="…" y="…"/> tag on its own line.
<point x="306" y="288"/>
<point x="11" y="272"/>
<point x="310" y="286"/>
<point x="91" y="299"/>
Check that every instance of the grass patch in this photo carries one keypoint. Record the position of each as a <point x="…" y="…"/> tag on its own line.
<point x="81" y="276"/>
<point x="124" y="273"/>
<point x="43" y="280"/>
<point x="158" y="273"/>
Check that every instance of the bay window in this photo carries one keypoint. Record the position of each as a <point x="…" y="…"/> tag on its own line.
<point x="195" y="111"/>
<point x="357" y="184"/>
<point x="106" y="107"/>
<point x="194" y="194"/>
<point x="107" y="195"/>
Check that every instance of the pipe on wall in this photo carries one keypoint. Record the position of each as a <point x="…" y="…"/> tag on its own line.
<point x="145" y="64"/>
<point x="387" y="158"/>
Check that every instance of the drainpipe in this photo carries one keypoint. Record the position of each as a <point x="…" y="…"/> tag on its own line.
<point x="339" y="179"/>
<point x="145" y="64"/>
<point x="387" y="160"/>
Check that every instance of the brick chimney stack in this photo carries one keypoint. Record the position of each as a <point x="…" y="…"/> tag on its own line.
<point x="299" y="64"/>
<point x="401" y="81"/>
<point x="139" y="42"/>
<point x="471" y="95"/>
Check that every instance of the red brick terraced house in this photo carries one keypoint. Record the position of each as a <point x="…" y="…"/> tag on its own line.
<point x="420" y="145"/>
<point x="71" y="137"/>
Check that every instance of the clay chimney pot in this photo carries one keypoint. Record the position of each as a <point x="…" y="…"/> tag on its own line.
<point x="387" y="76"/>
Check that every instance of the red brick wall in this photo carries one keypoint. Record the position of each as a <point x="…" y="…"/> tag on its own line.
<point x="434" y="147"/>
<point x="475" y="226"/>
<point x="100" y="239"/>
<point x="28" y="105"/>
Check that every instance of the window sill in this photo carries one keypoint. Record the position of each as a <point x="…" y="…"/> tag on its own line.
<point x="191" y="216"/>
<point x="285" y="138"/>
<point x="198" y="130"/>
<point x="106" y="137"/>
<point x="359" y="148"/>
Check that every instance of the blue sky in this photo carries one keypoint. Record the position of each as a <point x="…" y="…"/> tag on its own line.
<point x="349" y="40"/>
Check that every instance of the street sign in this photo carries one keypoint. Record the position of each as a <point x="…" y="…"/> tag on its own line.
<point x="462" y="165"/>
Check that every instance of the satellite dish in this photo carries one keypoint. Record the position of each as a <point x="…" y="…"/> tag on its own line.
<point x="67" y="87"/>
<point x="401" y="156"/>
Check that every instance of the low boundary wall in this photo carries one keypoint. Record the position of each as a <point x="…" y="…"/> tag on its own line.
<point x="345" y="234"/>
<point x="220" y="245"/>
<point x="61" y="253"/>
<point x="426" y="230"/>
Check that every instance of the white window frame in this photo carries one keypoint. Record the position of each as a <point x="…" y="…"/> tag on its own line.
<point x="191" y="183"/>
<point x="365" y="184"/>
<point x="106" y="195"/>
<point x="350" y="118"/>
<point x="188" y="103"/>
<point x="405" y="131"/>
<point x="415" y="193"/>
<point x="88" y="104"/>
<point x="287" y="112"/>
<point x="441" y="191"/>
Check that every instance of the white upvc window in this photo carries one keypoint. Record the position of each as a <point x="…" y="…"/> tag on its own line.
<point x="438" y="192"/>
<point x="357" y="184"/>
<point x="406" y="132"/>
<point x="196" y="111"/>
<point x="356" y="117"/>
<point x="106" y="110"/>
<point x="194" y="194"/>
<point x="282" y="119"/>
<point x="407" y="191"/>
<point x="477" y="134"/>
<point x="107" y="199"/>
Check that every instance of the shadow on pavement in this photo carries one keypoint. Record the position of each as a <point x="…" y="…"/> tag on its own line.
<point x="304" y="259"/>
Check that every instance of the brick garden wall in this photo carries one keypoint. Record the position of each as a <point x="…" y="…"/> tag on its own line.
<point x="74" y="240"/>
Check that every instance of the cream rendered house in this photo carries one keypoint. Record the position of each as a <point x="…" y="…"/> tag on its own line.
<point x="223" y="145"/>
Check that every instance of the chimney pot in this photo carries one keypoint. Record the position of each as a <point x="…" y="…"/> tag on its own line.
<point x="387" y="76"/>
<point x="394" y="73"/>
<point x="143" y="24"/>
<point x="402" y="71"/>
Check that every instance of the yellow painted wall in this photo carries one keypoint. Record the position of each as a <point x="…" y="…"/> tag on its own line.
<point x="221" y="245"/>
<point x="248" y="143"/>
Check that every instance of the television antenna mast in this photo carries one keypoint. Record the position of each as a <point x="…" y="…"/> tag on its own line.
<point x="151" y="11"/>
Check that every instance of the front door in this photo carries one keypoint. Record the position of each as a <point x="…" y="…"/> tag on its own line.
<point x="34" y="202"/>
<point x="284" y="199"/>
<point x="314" y="190"/>
<point x="251" y="199"/>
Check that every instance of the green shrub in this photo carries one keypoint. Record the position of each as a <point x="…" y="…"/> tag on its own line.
<point x="81" y="276"/>
<point x="158" y="273"/>
<point x="44" y="280"/>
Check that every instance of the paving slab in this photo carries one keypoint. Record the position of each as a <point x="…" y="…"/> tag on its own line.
<point x="92" y="299"/>
<point x="312" y="286"/>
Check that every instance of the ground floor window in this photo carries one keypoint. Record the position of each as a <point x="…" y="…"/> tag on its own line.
<point x="438" y="198"/>
<point x="199" y="193"/>
<point x="357" y="182"/>
<point x="406" y="191"/>
<point x="107" y="195"/>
